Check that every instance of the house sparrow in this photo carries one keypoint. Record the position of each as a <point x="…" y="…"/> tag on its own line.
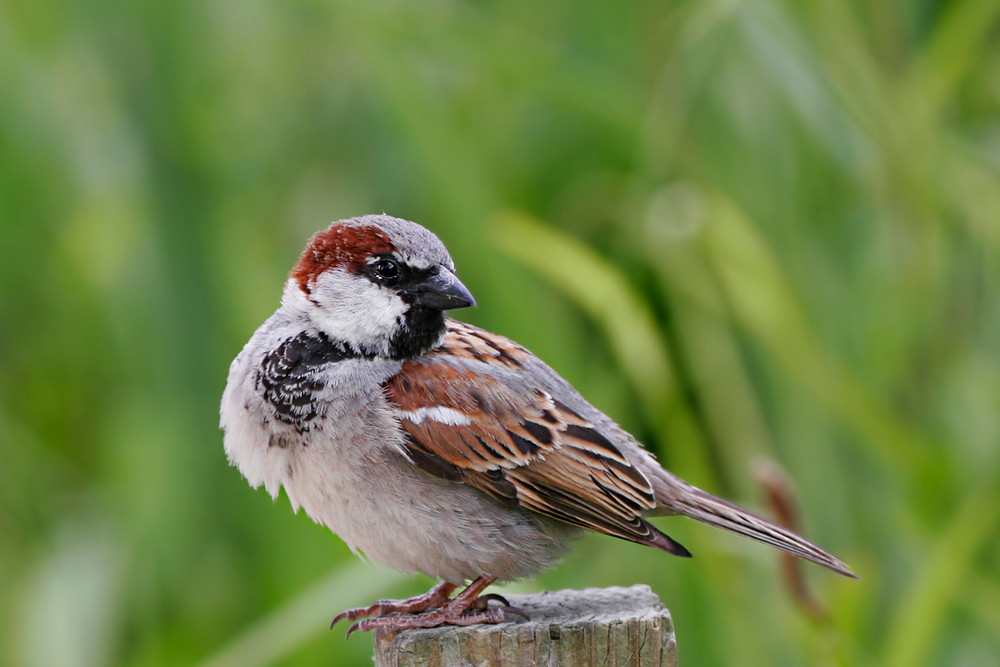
<point x="432" y="445"/>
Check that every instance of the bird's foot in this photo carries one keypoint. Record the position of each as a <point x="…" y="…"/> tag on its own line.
<point x="466" y="608"/>
<point x="429" y="619"/>
<point x="435" y="597"/>
<point x="481" y="603"/>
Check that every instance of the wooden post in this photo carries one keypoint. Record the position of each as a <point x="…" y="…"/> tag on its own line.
<point x="596" y="626"/>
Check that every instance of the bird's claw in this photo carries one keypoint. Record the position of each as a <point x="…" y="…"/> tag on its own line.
<point x="435" y="597"/>
<point x="432" y="609"/>
<point x="430" y="619"/>
<point x="355" y="614"/>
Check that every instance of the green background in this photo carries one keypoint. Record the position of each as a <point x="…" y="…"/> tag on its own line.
<point x="749" y="231"/>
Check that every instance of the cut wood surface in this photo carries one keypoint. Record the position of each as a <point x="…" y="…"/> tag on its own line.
<point x="570" y="628"/>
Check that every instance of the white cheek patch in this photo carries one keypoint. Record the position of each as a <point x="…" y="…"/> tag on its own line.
<point x="437" y="413"/>
<point x="351" y="309"/>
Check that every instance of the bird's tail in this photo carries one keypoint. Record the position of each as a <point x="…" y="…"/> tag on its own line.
<point x="682" y="498"/>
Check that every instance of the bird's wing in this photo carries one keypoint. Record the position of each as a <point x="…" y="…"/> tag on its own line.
<point x="469" y="415"/>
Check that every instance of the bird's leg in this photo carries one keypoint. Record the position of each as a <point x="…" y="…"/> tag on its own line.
<point x="463" y="609"/>
<point x="435" y="597"/>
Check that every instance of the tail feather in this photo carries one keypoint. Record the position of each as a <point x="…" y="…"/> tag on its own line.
<point x="696" y="504"/>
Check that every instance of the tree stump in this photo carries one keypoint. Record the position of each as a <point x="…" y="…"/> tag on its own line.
<point x="596" y="626"/>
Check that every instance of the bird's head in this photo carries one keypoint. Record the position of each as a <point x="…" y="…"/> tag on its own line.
<point x="377" y="284"/>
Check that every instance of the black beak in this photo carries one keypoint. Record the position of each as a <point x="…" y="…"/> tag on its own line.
<point x="442" y="291"/>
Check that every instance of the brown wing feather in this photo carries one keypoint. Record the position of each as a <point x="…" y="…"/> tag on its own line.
<point x="520" y="445"/>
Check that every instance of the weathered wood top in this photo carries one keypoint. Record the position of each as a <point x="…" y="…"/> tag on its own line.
<point x="570" y="628"/>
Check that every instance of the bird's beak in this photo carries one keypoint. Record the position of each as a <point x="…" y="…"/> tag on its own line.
<point x="443" y="291"/>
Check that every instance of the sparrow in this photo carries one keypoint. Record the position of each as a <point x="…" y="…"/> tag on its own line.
<point x="434" y="446"/>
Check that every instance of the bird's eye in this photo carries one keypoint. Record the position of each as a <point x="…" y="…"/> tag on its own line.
<point x="385" y="270"/>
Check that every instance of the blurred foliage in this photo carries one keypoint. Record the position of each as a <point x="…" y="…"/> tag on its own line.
<point x="747" y="230"/>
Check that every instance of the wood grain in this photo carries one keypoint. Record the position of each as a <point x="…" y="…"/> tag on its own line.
<point x="571" y="628"/>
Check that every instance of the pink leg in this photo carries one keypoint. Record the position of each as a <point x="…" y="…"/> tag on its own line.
<point x="433" y="598"/>
<point x="463" y="609"/>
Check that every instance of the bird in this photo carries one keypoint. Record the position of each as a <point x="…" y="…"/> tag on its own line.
<point x="433" y="446"/>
